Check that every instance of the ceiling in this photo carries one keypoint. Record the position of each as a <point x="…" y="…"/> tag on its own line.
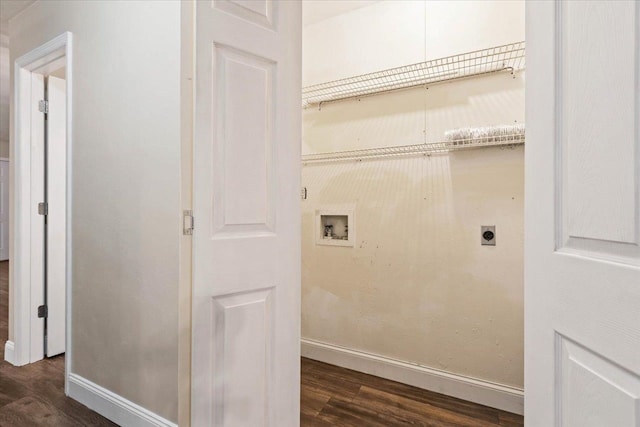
<point x="9" y="9"/>
<point x="314" y="11"/>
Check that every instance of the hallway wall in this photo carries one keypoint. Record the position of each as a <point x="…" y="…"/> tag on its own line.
<point x="126" y="177"/>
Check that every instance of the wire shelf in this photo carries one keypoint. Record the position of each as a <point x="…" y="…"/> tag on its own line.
<point x="509" y="57"/>
<point x="414" y="150"/>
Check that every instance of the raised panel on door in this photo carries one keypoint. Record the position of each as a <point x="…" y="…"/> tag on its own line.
<point x="243" y="144"/>
<point x="598" y="104"/>
<point x="242" y="358"/>
<point x="259" y="12"/>
<point x="594" y="391"/>
<point x="246" y="272"/>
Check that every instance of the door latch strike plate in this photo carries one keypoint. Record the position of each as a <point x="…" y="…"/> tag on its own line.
<point x="187" y="222"/>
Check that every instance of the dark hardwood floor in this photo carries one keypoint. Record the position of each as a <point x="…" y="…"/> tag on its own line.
<point x="334" y="396"/>
<point x="33" y="395"/>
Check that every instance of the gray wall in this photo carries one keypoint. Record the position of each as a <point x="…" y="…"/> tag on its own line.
<point x="126" y="177"/>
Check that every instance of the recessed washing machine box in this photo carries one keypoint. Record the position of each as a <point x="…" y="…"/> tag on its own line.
<point x="335" y="227"/>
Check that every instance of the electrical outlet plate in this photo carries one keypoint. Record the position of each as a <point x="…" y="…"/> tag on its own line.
<point x="488" y="235"/>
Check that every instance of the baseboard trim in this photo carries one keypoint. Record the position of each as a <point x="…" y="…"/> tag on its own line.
<point x="10" y="352"/>
<point x="486" y="393"/>
<point x="112" y="406"/>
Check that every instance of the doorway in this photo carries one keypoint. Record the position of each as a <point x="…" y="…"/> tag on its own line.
<point x="413" y="198"/>
<point x="52" y="208"/>
<point x="38" y="285"/>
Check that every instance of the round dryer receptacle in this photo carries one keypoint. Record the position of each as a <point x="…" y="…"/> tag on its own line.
<point x="488" y="235"/>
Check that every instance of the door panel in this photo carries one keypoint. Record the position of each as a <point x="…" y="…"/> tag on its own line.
<point x="56" y="218"/>
<point x="243" y="183"/>
<point x="36" y="228"/>
<point x="587" y="380"/>
<point x="582" y="251"/>
<point x="242" y="355"/>
<point x="599" y="109"/>
<point x="246" y="272"/>
<point x="259" y="12"/>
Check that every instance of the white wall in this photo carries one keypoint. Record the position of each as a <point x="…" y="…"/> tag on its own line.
<point x="418" y="287"/>
<point x="4" y="95"/>
<point x="126" y="177"/>
<point x="393" y="33"/>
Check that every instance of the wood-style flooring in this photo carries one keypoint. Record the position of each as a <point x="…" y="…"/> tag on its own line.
<point x="33" y="395"/>
<point x="334" y="396"/>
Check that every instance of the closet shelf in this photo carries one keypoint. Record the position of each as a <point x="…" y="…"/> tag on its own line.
<point x="417" y="149"/>
<point x="509" y="57"/>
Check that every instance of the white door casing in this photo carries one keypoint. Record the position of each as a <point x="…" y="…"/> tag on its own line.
<point x="4" y="209"/>
<point x="27" y="173"/>
<point x="56" y="217"/>
<point x="246" y="257"/>
<point x="582" y="217"/>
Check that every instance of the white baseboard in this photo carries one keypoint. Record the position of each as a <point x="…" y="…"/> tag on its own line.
<point x="112" y="406"/>
<point x="9" y="352"/>
<point x="486" y="393"/>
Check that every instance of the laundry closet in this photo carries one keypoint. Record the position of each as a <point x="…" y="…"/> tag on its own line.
<point x="413" y="193"/>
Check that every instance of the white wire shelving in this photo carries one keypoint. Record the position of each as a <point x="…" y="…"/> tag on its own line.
<point x="415" y="150"/>
<point x="505" y="58"/>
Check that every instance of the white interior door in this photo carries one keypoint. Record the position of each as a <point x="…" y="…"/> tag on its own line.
<point x="37" y="226"/>
<point x="246" y="272"/>
<point x="582" y="274"/>
<point x="56" y="216"/>
<point x="4" y="210"/>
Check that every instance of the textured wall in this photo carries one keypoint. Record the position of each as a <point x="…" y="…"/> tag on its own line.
<point x="418" y="286"/>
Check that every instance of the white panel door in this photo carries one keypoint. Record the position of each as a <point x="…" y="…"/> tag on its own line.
<point x="582" y="256"/>
<point x="56" y="218"/>
<point x="4" y="210"/>
<point x="246" y="272"/>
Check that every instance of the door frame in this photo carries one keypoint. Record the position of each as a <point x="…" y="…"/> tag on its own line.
<point x="6" y="159"/>
<point x="18" y="349"/>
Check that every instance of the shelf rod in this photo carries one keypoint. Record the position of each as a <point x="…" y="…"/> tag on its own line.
<point x="441" y="147"/>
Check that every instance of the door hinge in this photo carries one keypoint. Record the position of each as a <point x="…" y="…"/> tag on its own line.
<point x="43" y="311"/>
<point x="43" y="208"/>
<point x="303" y="193"/>
<point x="43" y="106"/>
<point x="187" y="222"/>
